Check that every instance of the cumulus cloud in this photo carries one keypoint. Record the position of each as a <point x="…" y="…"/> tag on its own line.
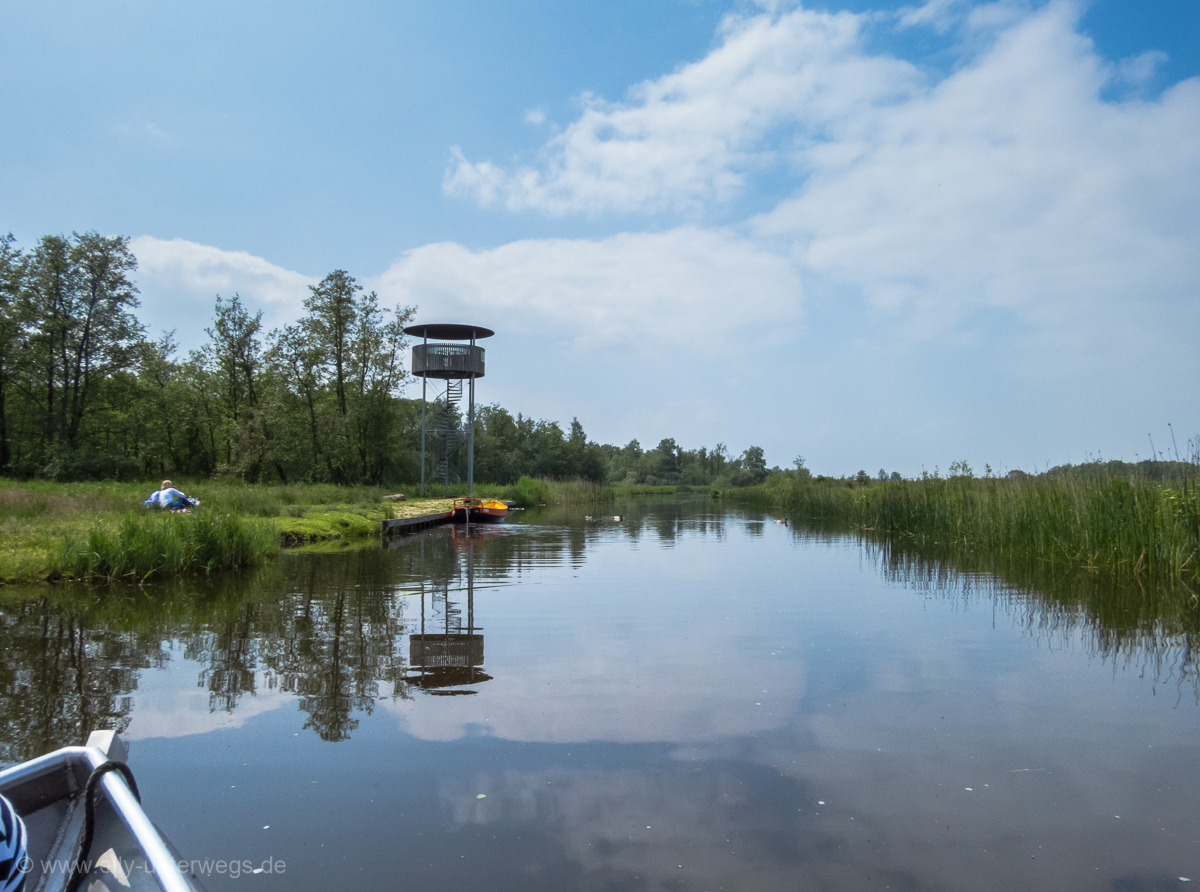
<point x="692" y="136"/>
<point x="1008" y="201"/>
<point x="180" y="280"/>
<point x="1004" y="228"/>
<point x="1010" y="183"/>
<point x="688" y="288"/>
<point x="1009" y="186"/>
<point x="636" y="333"/>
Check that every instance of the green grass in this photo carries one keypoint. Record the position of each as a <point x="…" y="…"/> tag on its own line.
<point x="87" y="530"/>
<point x="46" y="529"/>
<point x="144" y="545"/>
<point x="1133" y="530"/>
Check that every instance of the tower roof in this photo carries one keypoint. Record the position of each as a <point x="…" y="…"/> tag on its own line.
<point x="449" y="331"/>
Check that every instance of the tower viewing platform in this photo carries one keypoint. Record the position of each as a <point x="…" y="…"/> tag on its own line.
<point x="452" y="363"/>
<point x="448" y="361"/>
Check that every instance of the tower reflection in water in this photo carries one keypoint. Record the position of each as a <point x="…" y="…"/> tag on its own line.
<point x="446" y="657"/>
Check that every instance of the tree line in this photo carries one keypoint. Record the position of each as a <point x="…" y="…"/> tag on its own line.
<point x="85" y="393"/>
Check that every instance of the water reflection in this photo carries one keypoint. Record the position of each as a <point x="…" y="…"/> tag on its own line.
<point x="446" y="655"/>
<point x="681" y="698"/>
<point x="324" y="629"/>
<point x="328" y="630"/>
<point x="1152" y="629"/>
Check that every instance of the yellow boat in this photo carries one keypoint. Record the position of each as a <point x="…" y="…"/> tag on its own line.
<point x="481" y="511"/>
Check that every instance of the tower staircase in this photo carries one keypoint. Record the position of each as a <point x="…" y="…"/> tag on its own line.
<point x="450" y="435"/>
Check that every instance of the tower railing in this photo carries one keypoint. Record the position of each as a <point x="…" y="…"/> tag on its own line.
<point x="448" y="361"/>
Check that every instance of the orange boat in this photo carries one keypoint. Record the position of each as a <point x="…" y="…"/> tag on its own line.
<point x="480" y="511"/>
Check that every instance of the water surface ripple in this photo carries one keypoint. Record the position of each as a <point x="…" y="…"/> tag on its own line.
<point x="681" y="698"/>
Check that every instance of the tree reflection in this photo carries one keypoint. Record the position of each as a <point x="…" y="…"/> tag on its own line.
<point x="63" y="674"/>
<point x="327" y="628"/>
<point x="330" y="629"/>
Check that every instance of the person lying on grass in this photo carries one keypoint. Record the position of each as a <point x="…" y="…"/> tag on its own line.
<point x="171" y="499"/>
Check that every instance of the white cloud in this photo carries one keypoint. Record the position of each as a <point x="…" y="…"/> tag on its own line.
<point x="1009" y="186"/>
<point x="1007" y="216"/>
<point x="937" y="13"/>
<point x="1138" y="70"/>
<point x="643" y="335"/>
<point x="180" y="280"/>
<point x="972" y="247"/>
<point x="692" y="289"/>
<point x="692" y="136"/>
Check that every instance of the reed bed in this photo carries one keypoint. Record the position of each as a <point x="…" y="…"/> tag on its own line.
<point x="142" y="545"/>
<point x="529" y="492"/>
<point x="1136" y="529"/>
<point x="628" y="492"/>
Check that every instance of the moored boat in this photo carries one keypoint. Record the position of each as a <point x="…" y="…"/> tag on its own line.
<point x="121" y="850"/>
<point x="480" y="510"/>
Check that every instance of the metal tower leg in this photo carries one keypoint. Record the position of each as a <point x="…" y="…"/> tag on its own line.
<point x="424" y="381"/>
<point x="471" y="434"/>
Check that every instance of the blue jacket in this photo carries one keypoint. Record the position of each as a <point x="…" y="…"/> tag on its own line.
<point x="167" y="498"/>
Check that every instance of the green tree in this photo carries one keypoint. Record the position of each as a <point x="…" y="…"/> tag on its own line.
<point x="10" y="333"/>
<point x="77" y="309"/>
<point x="754" y="463"/>
<point x="332" y="312"/>
<point x="341" y="370"/>
<point x="296" y="357"/>
<point x="233" y="361"/>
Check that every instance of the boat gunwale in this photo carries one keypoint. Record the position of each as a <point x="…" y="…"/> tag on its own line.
<point x="163" y="862"/>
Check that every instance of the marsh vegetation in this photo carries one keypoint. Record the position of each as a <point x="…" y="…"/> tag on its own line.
<point x="1128" y="528"/>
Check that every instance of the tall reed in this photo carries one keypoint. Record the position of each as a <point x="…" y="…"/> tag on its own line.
<point x="529" y="492"/>
<point x="1134" y="529"/>
<point x="145" y="544"/>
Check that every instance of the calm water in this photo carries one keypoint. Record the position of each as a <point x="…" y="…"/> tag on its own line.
<point x="685" y="698"/>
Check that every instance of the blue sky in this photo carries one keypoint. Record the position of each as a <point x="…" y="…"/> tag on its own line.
<point x="872" y="234"/>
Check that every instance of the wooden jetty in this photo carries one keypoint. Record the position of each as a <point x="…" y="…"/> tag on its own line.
<point x="412" y="524"/>
<point x="424" y="521"/>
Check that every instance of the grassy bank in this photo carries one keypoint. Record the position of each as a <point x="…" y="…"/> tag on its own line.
<point x="1125" y="529"/>
<point x="99" y="531"/>
<point x="143" y="545"/>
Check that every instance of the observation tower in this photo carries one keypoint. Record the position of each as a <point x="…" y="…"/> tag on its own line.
<point x="452" y="363"/>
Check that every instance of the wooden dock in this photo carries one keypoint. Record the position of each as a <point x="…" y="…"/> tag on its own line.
<point x="412" y="524"/>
